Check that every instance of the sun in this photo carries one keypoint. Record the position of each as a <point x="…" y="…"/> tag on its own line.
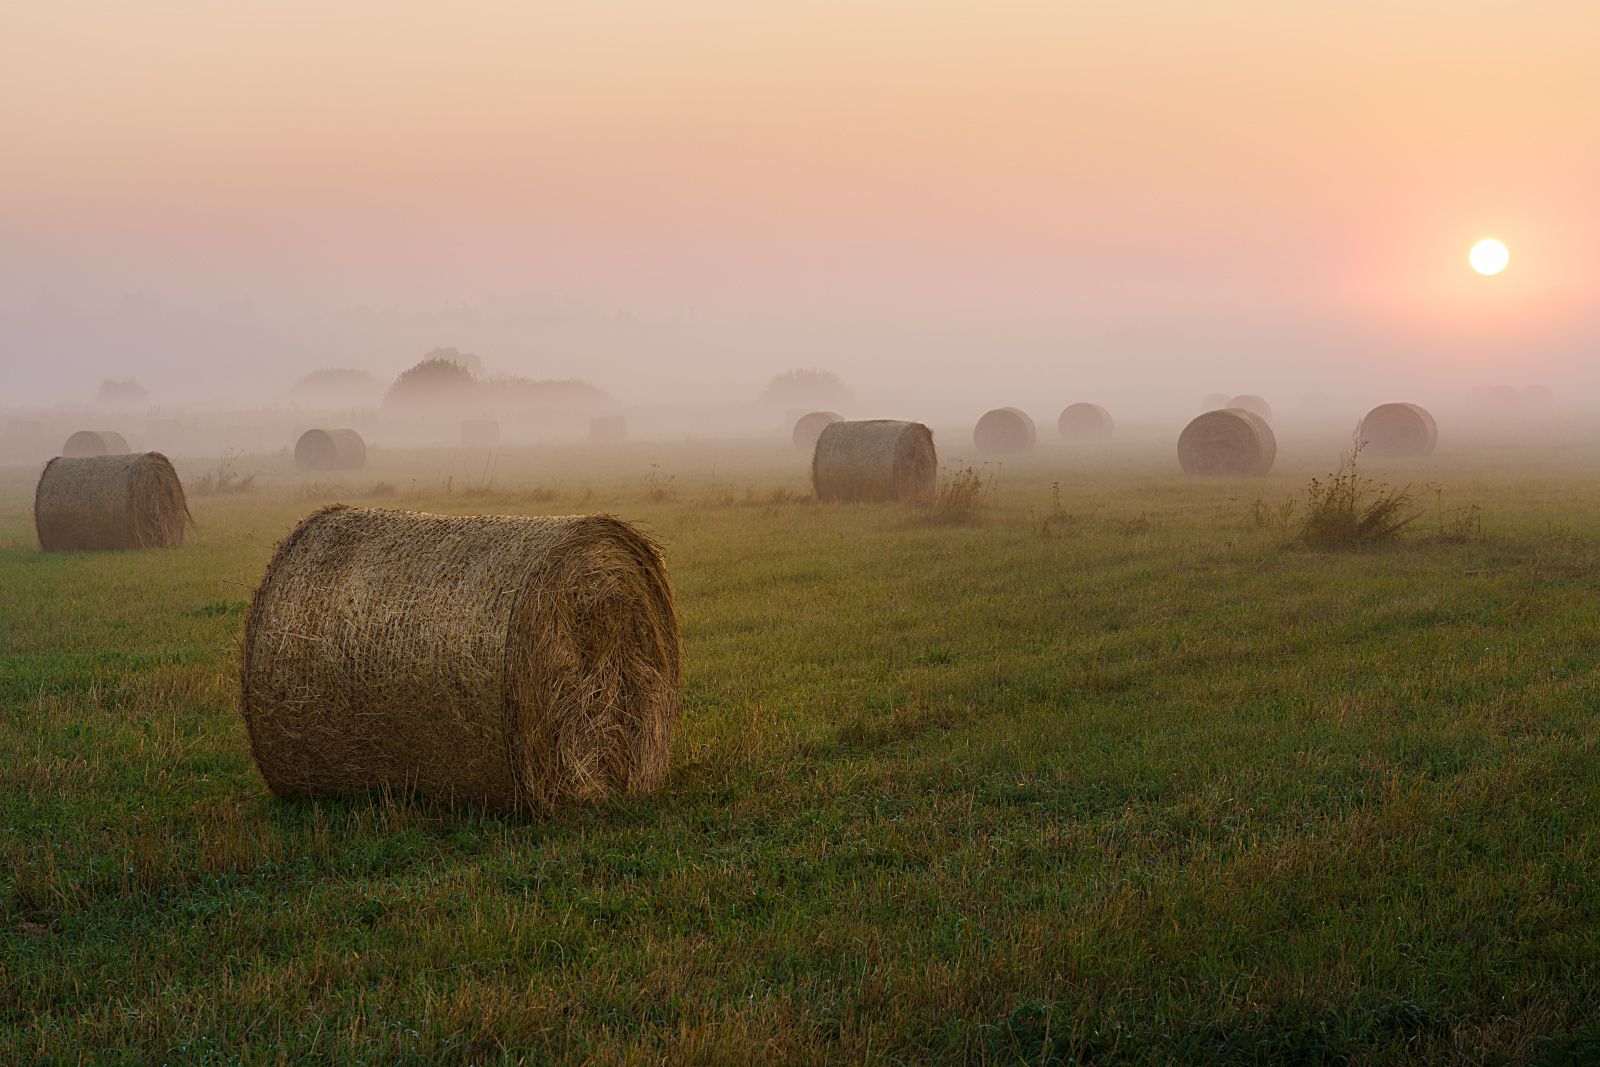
<point x="1489" y="257"/>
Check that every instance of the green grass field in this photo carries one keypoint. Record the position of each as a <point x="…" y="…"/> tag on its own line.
<point x="1117" y="773"/>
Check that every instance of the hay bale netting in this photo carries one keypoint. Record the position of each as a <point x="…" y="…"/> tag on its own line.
<point x="1398" y="430"/>
<point x="102" y="502"/>
<point x="480" y="433"/>
<point x="1230" y="441"/>
<point x="87" y="443"/>
<point x="1084" y="422"/>
<point x="330" y="450"/>
<point x="875" y="459"/>
<point x="608" y="429"/>
<point x="809" y="427"/>
<point x="507" y="662"/>
<point x="1004" y="431"/>
<point x="1254" y="404"/>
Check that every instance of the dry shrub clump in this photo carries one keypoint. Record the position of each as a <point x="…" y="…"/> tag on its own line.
<point x="225" y="480"/>
<point x="961" y="496"/>
<point x="507" y="662"/>
<point x="109" y="502"/>
<point x="330" y="450"/>
<point x="875" y="460"/>
<point x="1347" y="509"/>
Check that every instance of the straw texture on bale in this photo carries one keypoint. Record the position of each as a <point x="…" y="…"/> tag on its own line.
<point x="1003" y="431"/>
<point x="874" y="459"/>
<point x="1230" y="441"/>
<point x="809" y="427"/>
<point x="1398" y="430"/>
<point x="95" y="443"/>
<point x="1084" y="422"/>
<point x="513" y="663"/>
<point x="106" y="502"/>
<point x="1253" y="404"/>
<point x="330" y="450"/>
<point x="480" y="433"/>
<point x="608" y="429"/>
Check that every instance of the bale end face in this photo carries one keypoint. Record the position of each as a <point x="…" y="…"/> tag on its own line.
<point x="519" y="664"/>
<point x="1227" y="442"/>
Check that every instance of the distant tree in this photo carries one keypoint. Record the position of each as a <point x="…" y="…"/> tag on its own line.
<point x="436" y="381"/>
<point x="468" y="360"/>
<point x="122" y="393"/>
<point x="548" y="393"/>
<point x="802" y="388"/>
<point x="337" y="385"/>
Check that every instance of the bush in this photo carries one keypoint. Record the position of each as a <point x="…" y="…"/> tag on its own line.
<point x="962" y="493"/>
<point x="1347" y="509"/>
<point x="803" y="388"/>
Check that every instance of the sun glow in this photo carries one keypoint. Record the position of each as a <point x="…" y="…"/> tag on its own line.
<point x="1489" y="257"/>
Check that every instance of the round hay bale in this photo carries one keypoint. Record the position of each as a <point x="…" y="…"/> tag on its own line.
<point x="1252" y="403"/>
<point x="1004" y="431"/>
<point x="1398" y="430"/>
<point x="513" y="663"/>
<point x="330" y="450"/>
<point x="874" y="459"/>
<point x="105" y="502"/>
<point x="480" y="433"/>
<point x="1084" y="422"/>
<point x="1214" y="402"/>
<point x="809" y="427"/>
<point x="1230" y="441"/>
<point x="86" y="443"/>
<point x="608" y="430"/>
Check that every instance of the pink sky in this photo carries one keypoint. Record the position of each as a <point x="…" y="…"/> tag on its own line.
<point x="897" y="168"/>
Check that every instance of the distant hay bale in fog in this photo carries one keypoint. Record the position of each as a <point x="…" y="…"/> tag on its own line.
<point x="809" y="427"/>
<point x="875" y="459"/>
<point x="87" y="443"/>
<point x="1214" y="402"/>
<point x="1230" y="441"/>
<point x="608" y="429"/>
<point x="1084" y="422"/>
<point x="480" y="433"/>
<point x="513" y="663"/>
<point x="1254" y="404"/>
<point x="1004" y="431"/>
<point x="330" y="450"/>
<point x="107" y="502"/>
<point x="1398" y="430"/>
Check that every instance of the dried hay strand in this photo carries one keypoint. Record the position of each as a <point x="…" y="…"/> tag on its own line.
<point x="874" y="459"/>
<point x="1004" y="431"/>
<point x="1398" y="430"/>
<point x="1230" y="441"/>
<point x="330" y="450"/>
<point x="519" y="664"/>
<point x="608" y="430"/>
<point x="109" y="502"/>
<point x="1084" y="422"/>
<point x="86" y="443"/>
<point x="480" y="433"/>
<point x="1253" y="404"/>
<point x="809" y="427"/>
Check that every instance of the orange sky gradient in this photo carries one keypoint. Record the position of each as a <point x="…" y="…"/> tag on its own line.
<point x="866" y="170"/>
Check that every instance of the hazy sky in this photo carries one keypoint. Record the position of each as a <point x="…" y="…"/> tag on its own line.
<point x="1101" y="192"/>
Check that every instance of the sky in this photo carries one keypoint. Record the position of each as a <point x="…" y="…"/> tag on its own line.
<point x="679" y="200"/>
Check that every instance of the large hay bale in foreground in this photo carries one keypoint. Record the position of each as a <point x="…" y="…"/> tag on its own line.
<point x="1254" y="404"/>
<point x="1084" y="422"/>
<point x="514" y="663"/>
<point x="330" y="450"/>
<point x="1398" y="430"/>
<point x="1004" y="431"/>
<point x="105" y="502"/>
<point x="874" y="459"/>
<point x="86" y="443"/>
<point x="608" y="429"/>
<point x="809" y="427"/>
<point x="480" y="433"/>
<point x="1230" y="441"/>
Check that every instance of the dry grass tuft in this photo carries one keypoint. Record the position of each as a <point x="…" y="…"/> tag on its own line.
<point x="1347" y="509"/>
<point x="961" y="496"/>
<point x="225" y="480"/>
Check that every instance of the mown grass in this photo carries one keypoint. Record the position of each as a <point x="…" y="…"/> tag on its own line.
<point x="1108" y="773"/>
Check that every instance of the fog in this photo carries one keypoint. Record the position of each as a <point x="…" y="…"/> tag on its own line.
<point x="1137" y="206"/>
